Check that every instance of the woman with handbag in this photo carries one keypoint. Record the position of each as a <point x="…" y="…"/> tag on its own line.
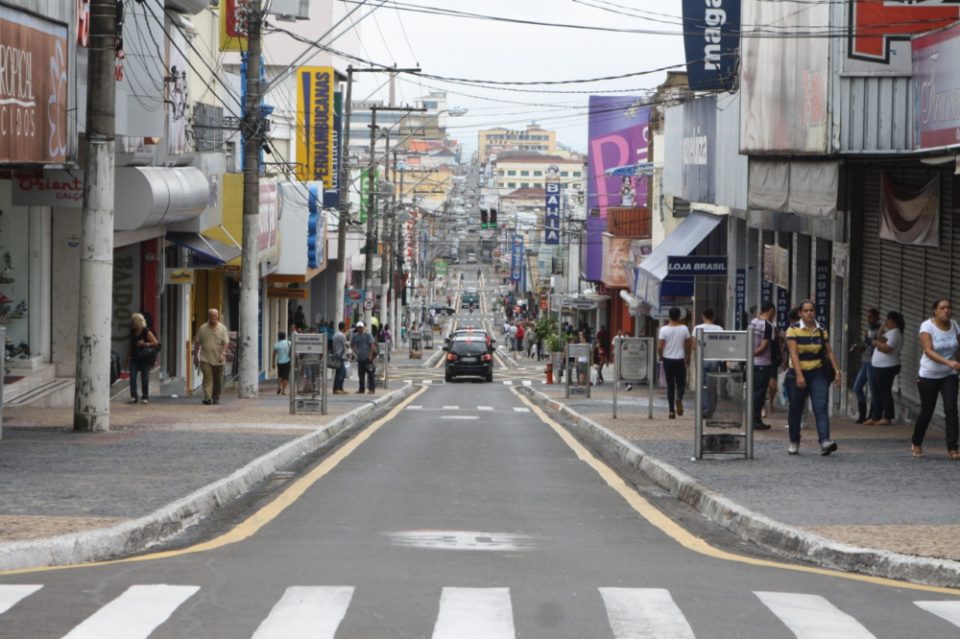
<point x="812" y="368"/>
<point x="940" y="339"/>
<point x="143" y="354"/>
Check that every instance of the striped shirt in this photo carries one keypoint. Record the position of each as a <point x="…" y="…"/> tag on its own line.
<point x="809" y="345"/>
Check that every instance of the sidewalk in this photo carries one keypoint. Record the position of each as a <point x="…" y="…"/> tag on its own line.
<point x="56" y="481"/>
<point x="870" y="494"/>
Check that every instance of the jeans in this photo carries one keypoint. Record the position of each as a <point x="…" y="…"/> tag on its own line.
<point x="339" y="375"/>
<point x="882" y="403"/>
<point x="143" y="370"/>
<point x="865" y="377"/>
<point x="675" y="370"/>
<point x="708" y="393"/>
<point x="761" y="384"/>
<point x="818" y="390"/>
<point x="365" y="369"/>
<point x="946" y="387"/>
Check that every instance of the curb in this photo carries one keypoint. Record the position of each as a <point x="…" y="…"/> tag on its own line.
<point x="433" y="359"/>
<point x="782" y="539"/>
<point x="168" y="521"/>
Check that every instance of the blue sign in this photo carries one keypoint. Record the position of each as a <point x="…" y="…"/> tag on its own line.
<point x="516" y="259"/>
<point x="696" y="265"/>
<point x="711" y="41"/>
<point x="740" y="304"/>
<point x="551" y="218"/>
<point x="314" y="219"/>
<point x="822" y="297"/>
<point x="331" y="196"/>
<point x="766" y="291"/>
<point x="783" y="309"/>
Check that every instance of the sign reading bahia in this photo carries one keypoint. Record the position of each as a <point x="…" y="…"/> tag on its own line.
<point x="711" y="43"/>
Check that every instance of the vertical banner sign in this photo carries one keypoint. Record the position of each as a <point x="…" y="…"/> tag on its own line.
<point x="367" y="182"/>
<point x="233" y="34"/>
<point x="740" y="303"/>
<point x="313" y="224"/>
<point x="711" y="41"/>
<point x="766" y="291"/>
<point x="783" y="309"/>
<point x="331" y="196"/>
<point x="516" y="257"/>
<point x="823" y="292"/>
<point x="315" y="110"/>
<point x="551" y="218"/>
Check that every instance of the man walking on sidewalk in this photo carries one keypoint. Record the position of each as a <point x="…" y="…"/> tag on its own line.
<point x="339" y="356"/>
<point x="764" y="338"/>
<point x="365" y="350"/>
<point x="212" y="341"/>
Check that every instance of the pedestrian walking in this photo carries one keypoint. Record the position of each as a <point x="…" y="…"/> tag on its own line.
<point x="338" y="357"/>
<point x="281" y="361"/>
<point x="142" y="356"/>
<point x="673" y="347"/>
<point x="886" y="366"/>
<point x="708" y="387"/>
<point x="364" y="349"/>
<point x="865" y="377"/>
<point x="764" y="338"/>
<point x="940" y="340"/>
<point x="211" y="351"/>
<point x="813" y="367"/>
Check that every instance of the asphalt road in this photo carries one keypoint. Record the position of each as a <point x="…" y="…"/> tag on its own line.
<point x="463" y="515"/>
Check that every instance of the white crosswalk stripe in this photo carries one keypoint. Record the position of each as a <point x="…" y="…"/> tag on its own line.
<point x="812" y="616"/>
<point x="484" y="408"/>
<point x="475" y="613"/>
<point x="521" y="409"/>
<point x="306" y="613"/>
<point x="135" y="613"/>
<point x="947" y="610"/>
<point x="644" y="613"/>
<point x="10" y="595"/>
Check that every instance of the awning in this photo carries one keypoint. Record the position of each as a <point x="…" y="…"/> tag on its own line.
<point x="204" y="251"/>
<point x="650" y="275"/>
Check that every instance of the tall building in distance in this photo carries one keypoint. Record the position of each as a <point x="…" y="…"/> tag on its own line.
<point x="534" y="139"/>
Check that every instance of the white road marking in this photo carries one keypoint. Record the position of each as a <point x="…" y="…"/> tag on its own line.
<point x="475" y="613"/>
<point x="507" y="382"/>
<point x="427" y="381"/>
<point x="484" y="407"/>
<point x="527" y="382"/>
<point x="521" y="409"/>
<point x="460" y="540"/>
<point x="812" y="616"/>
<point x="134" y="614"/>
<point x="947" y="610"/>
<point x="10" y="595"/>
<point x="644" y="613"/>
<point x="451" y="408"/>
<point x="468" y="417"/>
<point x="414" y="408"/>
<point x="307" y="613"/>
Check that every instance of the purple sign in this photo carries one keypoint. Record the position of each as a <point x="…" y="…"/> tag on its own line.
<point x="936" y="85"/>
<point x="618" y="137"/>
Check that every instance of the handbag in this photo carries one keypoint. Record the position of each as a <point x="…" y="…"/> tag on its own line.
<point x="334" y="362"/>
<point x="825" y="362"/>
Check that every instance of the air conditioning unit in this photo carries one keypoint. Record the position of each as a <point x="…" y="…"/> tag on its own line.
<point x="290" y="9"/>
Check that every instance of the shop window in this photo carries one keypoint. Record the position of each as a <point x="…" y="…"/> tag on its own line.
<point x="15" y="276"/>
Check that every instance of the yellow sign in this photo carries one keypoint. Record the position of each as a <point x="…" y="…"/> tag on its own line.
<point x="288" y="293"/>
<point x="233" y="35"/>
<point x="180" y="276"/>
<point x="315" y="111"/>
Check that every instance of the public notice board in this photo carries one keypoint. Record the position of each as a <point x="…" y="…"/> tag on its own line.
<point x="634" y="359"/>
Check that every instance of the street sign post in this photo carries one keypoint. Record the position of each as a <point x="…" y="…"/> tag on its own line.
<point x="634" y="362"/>
<point x="308" y="375"/>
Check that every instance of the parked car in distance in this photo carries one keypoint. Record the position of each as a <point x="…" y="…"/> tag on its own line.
<point x="468" y="356"/>
<point x="442" y="309"/>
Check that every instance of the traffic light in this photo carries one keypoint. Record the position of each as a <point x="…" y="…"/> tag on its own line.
<point x="483" y="218"/>
<point x="493" y="219"/>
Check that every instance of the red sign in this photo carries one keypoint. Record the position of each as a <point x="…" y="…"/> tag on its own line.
<point x="874" y="24"/>
<point x="33" y="89"/>
<point x="83" y="23"/>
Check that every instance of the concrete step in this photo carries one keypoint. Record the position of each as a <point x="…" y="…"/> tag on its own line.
<point x="56" y="392"/>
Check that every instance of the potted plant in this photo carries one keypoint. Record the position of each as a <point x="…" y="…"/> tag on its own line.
<point x="555" y="344"/>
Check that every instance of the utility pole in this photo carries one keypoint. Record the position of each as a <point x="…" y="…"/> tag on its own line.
<point x="252" y="132"/>
<point x="91" y="406"/>
<point x="344" y="199"/>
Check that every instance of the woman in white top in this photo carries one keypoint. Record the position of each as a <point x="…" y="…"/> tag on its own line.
<point x="886" y="366"/>
<point x="940" y="339"/>
<point x="673" y="346"/>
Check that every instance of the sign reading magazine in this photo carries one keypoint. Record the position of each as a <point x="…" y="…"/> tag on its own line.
<point x="711" y="42"/>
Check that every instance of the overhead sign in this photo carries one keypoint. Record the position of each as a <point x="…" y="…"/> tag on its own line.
<point x="233" y="30"/>
<point x="179" y="276"/>
<point x="551" y="218"/>
<point x="696" y="265"/>
<point x="315" y="124"/>
<point x="936" y="85"/>
<point x="711" y="42"/>
<point x="879" y="32"/>
<point x="698" y="152"/>
<point x="51" y="187"/>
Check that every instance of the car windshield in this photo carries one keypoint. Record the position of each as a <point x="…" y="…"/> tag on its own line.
<point x="469" y="346"/>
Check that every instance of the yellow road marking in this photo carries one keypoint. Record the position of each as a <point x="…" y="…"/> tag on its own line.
<point x="690" y="541"/>
<point x="252" y="525"/>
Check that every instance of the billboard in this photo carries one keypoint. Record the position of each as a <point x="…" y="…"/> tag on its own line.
<point x="711" y="41"/>
<point x="621" y="255"/>
<point x="936" y="87"/>
<point x="879" y="31"/>
<point x="784" y="80"/>
<point x="233" y="34"/>
<point x="315" y="125"/>
<point x="618" y="137"/>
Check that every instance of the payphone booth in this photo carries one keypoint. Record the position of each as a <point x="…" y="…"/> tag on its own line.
<point x="723" y="415"/>
<point x="578" y="362"/>
<point x="308" y="375"/>
<point x="634" y="363"/>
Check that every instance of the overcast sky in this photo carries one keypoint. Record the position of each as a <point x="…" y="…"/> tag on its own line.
<point x="489" y="50"/>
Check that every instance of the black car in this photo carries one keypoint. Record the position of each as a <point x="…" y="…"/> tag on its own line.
<point x="469" y="356"/>
<point x="442" y="309"/>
